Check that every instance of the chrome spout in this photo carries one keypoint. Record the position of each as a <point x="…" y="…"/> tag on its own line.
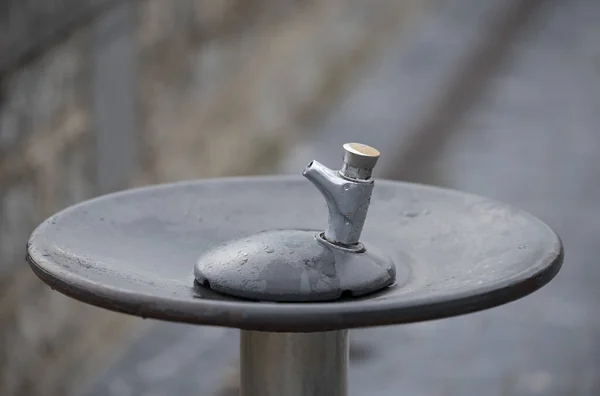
<point x="347" y="192"/>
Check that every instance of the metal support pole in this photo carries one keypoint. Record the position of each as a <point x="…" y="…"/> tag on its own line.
<point x="294" y="364"/>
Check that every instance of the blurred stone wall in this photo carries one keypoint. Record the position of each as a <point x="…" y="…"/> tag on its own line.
<point x="221" y="88"/>
<point x="46" y="163"/>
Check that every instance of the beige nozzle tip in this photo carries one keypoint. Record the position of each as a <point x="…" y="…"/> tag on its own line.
<point x="360" y="155"/>
<point x="361" y="149"/>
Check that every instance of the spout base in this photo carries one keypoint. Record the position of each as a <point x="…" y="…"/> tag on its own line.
<point x="293" y="266"/>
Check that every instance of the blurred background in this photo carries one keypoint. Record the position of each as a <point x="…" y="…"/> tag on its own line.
<point x="495" y="97"/>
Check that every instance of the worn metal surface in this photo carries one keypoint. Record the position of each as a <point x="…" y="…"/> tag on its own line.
<point x="290" y="265"/>
<point x="294" y="364"/>
<point x="133" y="252"/>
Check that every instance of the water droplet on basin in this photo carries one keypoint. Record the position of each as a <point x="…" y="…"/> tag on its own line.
<point x="269" y="249"/>
<point x="522" y="246"/>
<point x="347" y="222"/>
<point x="346" y="187"/>
<point x="411" y="213"/>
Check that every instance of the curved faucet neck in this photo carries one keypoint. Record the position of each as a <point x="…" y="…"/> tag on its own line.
<point x="347" y="199"/>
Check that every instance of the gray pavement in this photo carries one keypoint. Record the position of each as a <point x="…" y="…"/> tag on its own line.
<point x="531" y="140"/>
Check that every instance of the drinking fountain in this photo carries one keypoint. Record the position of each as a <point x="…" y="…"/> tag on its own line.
<point x="294" y="267"/>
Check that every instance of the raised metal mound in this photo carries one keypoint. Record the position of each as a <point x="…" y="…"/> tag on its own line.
<point x="290" y="265"/>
